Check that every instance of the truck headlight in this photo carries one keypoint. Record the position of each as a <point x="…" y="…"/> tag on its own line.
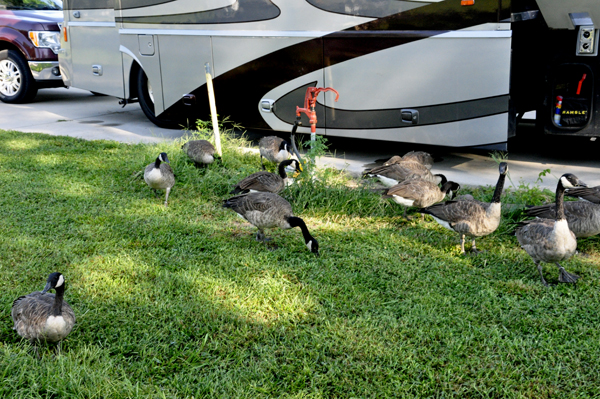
<point x="46" y="39"/>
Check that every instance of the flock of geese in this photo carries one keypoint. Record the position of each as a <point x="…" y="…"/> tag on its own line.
<point x="551" y="237"/>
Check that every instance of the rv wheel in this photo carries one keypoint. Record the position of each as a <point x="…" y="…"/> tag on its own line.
<point x="16" y="81"/>
<point x="146" y="98"/>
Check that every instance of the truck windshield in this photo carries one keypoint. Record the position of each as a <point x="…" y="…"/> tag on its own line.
<point x="30" y="5"/>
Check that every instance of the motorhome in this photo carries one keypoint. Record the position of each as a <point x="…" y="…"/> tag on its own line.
<point x="437" y="72"/>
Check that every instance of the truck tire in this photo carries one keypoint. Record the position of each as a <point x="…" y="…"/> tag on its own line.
<point x="146" y="99"/>
<point x="16" y="81"/>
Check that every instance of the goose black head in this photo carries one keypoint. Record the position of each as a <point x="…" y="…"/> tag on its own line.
<point x="440" y="179"/>
<point x="503" y="168"/>
<point x="569" y="180"/>
<point x="284" y="146"/>
<point x="162" y="157"/>
<point x="313" y="246"/>
<point x="55" y="280"/>
<point x="451" y="188"/>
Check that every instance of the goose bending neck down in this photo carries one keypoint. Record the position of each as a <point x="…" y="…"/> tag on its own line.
<point x="268" y="210"/>
<point x="471" y="218"/>
<point x="419" y="192"/>
<point x="266" y="181"/>
<point x="551" y="241"/>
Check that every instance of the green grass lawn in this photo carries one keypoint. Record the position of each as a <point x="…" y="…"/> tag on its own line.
<point x="182" y="302"/>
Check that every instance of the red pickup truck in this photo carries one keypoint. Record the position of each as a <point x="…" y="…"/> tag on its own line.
<point x="29" y="44"/>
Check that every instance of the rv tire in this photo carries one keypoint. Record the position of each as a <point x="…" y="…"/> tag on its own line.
<point x="145" y="97"/>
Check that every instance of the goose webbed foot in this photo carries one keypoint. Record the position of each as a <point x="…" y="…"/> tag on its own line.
<point x="474" y="248"/>
<point x="566" y="277"/>
<point x="260" y="236"/>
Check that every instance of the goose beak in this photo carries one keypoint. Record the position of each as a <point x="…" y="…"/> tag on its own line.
<point x="581" y="184"/>
<point x="47" y="288"/>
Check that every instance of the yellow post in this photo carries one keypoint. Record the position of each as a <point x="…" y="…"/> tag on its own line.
<point x="213" y="108"/>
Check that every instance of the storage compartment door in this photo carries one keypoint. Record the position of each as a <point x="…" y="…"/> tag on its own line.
<point x="96" y="62"/>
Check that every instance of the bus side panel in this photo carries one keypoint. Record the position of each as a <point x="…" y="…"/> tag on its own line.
<point x="446" y="80"/>
<point x="182" y="60"/>
<point x="95" y="60"/>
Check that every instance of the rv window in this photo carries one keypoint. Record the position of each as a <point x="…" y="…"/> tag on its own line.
<point x="88" y="4"/>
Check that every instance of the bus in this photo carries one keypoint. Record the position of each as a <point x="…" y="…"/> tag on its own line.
<point x="456" y="73"/>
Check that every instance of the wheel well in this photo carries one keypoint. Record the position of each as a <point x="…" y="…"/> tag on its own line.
<point x="9" y="46"/>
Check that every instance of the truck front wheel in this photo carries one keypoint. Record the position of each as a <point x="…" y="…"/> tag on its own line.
<point x="16" y="81"/>
<point x="146" y="99"/>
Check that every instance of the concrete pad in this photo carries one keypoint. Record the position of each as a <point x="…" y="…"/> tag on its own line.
<point x="79" y="113"/>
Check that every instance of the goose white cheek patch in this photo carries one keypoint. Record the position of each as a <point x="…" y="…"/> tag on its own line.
<point x="566" y="183"/>
<point x="61" y="281"/>
<point x="309" y="246"/>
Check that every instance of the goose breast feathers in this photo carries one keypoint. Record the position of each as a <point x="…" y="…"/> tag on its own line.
<point x="159" y="178"/>
<point x="547" y="240"/>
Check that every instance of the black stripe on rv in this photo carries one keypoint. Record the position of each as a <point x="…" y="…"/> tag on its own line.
<point x="285" y="109"/>
<point x="240" y="11"/>
<point x="128" y="4"/>
<point x="251" y="81"/>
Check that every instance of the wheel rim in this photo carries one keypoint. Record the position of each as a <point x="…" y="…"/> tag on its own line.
<point x="10" y="78"/>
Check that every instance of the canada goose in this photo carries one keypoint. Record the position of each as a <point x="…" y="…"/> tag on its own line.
<point x="159" y="175"/>
<point x="266" y="181"/>
<point x="418" y="192"/>
<point x="421" y="157"/>
<point x="42" y="317"/>
<point x="551" y="241"/>
<point x="268" y="210"/>
<point x="583" y="217"/>
<point x="471" y="218"/>
<point x="391" y="175"/>
<point x="202" y="152"/>
<point x="273" y="148"/>
<point x="590" y="194"/>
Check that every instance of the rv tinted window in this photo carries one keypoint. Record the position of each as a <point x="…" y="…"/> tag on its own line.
<point x="88" y="4"/>
<point x="30" y="5"/>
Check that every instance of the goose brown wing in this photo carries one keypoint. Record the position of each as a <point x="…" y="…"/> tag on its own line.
<point x="423" y="192"/>
<point x="534" y="232"/>
<point x="583" y="216"/>
<point x="168" y="175"/>
<point x="455" y="212"/>
<point x="399" y="172"/>
<point x="421" y="157"/>
<point x="591" y="194"/>
<point x="262" y="181"/>
<point x="393" y="160"/>
<point x="259" y="201"/>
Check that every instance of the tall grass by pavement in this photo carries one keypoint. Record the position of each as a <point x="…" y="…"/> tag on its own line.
<point x="182" y="302"/>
